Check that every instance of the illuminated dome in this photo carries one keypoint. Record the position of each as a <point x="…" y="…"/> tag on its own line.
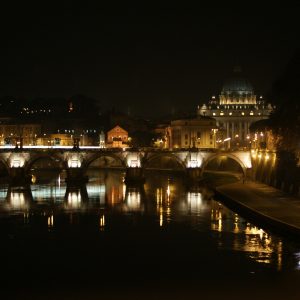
<point x="237" y="90"/>
<point x="237" y="84"/>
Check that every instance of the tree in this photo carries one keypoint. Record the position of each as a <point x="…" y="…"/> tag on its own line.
<point x="285" y="120"/>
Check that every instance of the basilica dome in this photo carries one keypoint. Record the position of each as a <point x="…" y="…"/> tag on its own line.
<point x="237" y="84"/>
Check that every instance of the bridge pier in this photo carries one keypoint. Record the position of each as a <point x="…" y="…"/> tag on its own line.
<point x="76" y="178"/>
<point x="76" y="185"/>
<point x="19" y="178"/>
<point x="19" y="197"/>
<point x="76" y="195"/>
<point x="134" y="176"/>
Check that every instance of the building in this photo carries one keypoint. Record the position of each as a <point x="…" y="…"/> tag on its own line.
<point x="162" y="136"/>
<point x="193" y="133"/>
<point x="235" y="110"/>
<point x="117" y="138"/>
<point x="11" y="133"/>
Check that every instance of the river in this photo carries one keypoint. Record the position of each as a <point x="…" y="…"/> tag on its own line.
<point x="111" y="238"/>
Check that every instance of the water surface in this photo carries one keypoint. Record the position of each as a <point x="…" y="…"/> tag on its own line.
<point x="112" y="237"/>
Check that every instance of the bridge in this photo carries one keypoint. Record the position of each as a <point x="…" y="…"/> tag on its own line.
<point x="76" y="160"/>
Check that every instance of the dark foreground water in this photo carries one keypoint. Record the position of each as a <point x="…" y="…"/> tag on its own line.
<point x="160" y="242"/>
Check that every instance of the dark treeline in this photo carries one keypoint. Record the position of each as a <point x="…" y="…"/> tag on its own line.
<point x="285" y="125"/>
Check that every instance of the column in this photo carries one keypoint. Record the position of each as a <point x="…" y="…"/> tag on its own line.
<point x="240" y="131"/>
<point x="227" y="128"/>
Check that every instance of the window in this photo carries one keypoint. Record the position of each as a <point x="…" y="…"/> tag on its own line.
<point x="186" y="136"/>
<point x="198" y="135"/>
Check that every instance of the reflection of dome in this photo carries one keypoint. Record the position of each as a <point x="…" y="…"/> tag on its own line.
<point x="237" y="84"/>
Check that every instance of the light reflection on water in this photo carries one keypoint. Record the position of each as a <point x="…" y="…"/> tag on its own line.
<point x="163" y="200"/>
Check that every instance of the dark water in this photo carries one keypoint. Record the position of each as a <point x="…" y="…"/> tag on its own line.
<point x="162" y="241"/>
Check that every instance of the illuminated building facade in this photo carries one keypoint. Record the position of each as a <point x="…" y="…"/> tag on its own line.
<point x="10" y="133"/>
<point x="117" y="138"/>
<point x="235" y="110"/>
<point x="193" y="133"/>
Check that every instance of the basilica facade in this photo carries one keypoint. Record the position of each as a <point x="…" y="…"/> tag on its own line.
<point x="236" y="108"/>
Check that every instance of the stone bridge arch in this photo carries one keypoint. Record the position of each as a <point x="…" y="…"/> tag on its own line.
<point x="38" y="156"/>
<point x="147" y="159"/>
<point x="5" y="164"/>
<point x="228" y="155"/>
<point x="91" y="158"/>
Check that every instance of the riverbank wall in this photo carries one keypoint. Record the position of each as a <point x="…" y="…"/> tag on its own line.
<point x="268" y="209"/>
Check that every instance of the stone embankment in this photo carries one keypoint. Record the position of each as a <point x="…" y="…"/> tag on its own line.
<point x="264" y="204"/>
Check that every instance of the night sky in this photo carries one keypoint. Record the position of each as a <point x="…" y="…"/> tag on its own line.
<point x="148" y="59"/>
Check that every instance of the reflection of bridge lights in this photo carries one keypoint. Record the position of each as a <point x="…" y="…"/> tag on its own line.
<point x="168" y="213"/>
<point x="279" y="256"/>
<point x="216" y="215"/>
<point x="236" y="224"/>
<point x="124" y="190"/>
<point x="17" y="200"/>
<point x="255" y="231"/>
<point x="43" y="192"/>
<point x="74" y="199"/>
<point x="50" y="221"/>
<point x="115" y="195"/>
<point x="161" y="217"/>
<point x="102" y="222"/>
<point x="159" y="196"/>
<point x="297" y="256"/>
<point x="194" y="201"/>
<point x="58" y="180"/>
<point x="133" y="200"/>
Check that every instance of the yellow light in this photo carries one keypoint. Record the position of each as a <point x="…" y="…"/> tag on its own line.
<point x="33" y="179"/>
<point x="267" y="156"/>
<point x="102" y="222"/>
<point x="161" y="217"/>
<point x="50" y="221"/>
<point x="168" y="191"/>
